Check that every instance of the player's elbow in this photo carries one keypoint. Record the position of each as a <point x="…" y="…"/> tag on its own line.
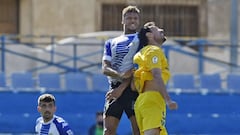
<point x="104" y="70"/>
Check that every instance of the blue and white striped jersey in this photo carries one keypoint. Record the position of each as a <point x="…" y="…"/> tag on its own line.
<point x="120" y="51"/>
<point x="56" y="126"/>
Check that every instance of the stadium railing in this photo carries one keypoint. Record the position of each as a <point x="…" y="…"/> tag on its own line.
<point x="2" y="80"/>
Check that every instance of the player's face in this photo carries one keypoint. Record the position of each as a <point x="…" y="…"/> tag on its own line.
<point x="158" y="34"/>
<point x="47" y="110"/>
<point x="131" y="22"/>
<point x="100" y="119"/>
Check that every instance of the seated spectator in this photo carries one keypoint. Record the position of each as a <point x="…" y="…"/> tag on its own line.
<point x="97" y="128"/>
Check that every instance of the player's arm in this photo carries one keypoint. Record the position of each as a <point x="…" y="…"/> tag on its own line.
<point x="66" y="130"/>
<point x="157" y="77"/>
<point x="117" y="92"/>
<point x="133" y="87"/>
<point x="106" y="61"/>
<point x="153" y="62"/>
<point x="108" y="71"/>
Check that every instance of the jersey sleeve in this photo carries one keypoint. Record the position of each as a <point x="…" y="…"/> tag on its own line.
<point x="66" y="129"/>
<point x="37" y="125"/>
<point x="63" y="127"/>
<point x="153" y="59"/>
<point x="107" y="54"/>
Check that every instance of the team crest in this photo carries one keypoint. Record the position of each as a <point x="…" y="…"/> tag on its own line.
<point x="155" y="59"/>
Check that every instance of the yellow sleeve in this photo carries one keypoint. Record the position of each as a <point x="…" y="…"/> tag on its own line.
<point x="153" y="59"/>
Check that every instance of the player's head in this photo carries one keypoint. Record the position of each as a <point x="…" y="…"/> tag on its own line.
<point x="46" y="98"/>
<point x="46" y="106"/>
<point x="130" y="19"/>
<point x="99" y="118"/>
<point x="151" y="31"/>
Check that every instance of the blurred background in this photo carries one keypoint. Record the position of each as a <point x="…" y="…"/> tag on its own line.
<point x="55" y="46"/>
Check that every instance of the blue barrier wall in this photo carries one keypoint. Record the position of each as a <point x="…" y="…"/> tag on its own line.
<point x="197" y="114"/>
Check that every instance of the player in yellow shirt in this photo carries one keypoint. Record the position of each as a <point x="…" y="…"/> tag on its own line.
<point x="151" y="74"/>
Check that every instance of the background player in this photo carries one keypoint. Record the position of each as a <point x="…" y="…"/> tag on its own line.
<point x="48" y="123"/>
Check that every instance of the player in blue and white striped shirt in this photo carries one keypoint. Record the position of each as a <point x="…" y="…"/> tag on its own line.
<point x="117" y="64"/>
<point x="48" y="123"/>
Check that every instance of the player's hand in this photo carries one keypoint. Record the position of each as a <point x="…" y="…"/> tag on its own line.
<point x="133" y="87"/>
<point x="127" y="74"/>
<point x="172" y="105"/>
<point x="113" y="94"/>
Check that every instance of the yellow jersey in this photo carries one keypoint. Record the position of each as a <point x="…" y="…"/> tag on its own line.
<point x="145" y="60"/>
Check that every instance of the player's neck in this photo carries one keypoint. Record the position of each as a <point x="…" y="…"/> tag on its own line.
<point x="45" y="120"/>
<point x="129" y="31"/>
<point x="154" y="43"/>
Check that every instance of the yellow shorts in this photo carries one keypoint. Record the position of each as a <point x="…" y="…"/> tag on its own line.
<point x="150" y="111"/>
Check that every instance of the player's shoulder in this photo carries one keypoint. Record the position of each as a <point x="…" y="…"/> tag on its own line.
<point x="59" y="119"/>
<point x="120" y="38"/>
<point x="39" y="120"/>
<point x="62" y="125"/>
<point x="152" y="48"/>
<point x="124" y="36"/>
<point x="116" y="38"/>
<point x="111" y="41"/>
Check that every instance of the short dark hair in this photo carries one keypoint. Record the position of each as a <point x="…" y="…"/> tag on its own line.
<point x="99" y="113"/>
<point x="130" y="9"/>
<point x="46" y="98"/>
<point x="143" y="40"/>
